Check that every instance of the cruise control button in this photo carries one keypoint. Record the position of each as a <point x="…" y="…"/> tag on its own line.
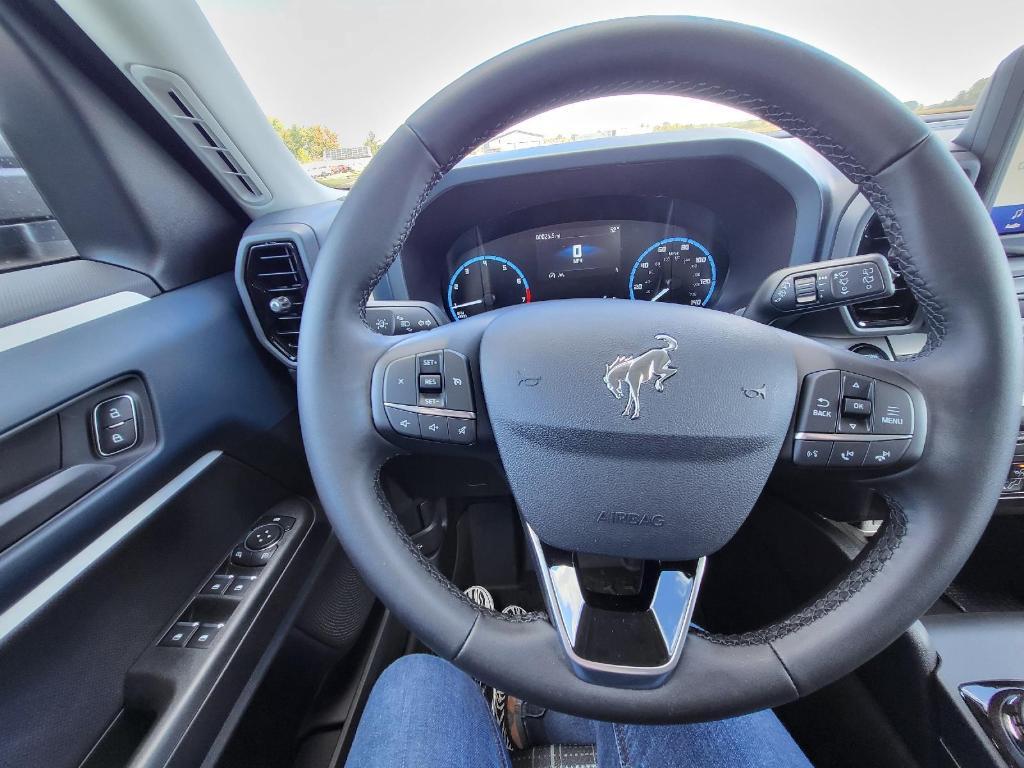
<point x="820" y="402"/>
<point x="856" y="406"/>
<point x="894" y="411"/>
<point x="885" y="453"/>
<point x="400" y="381"/>
<point x="403" y="422"/>
<point x="430" y="382"/>
<point x="457" y="389"/>
<point x="428" y="362"/>
<point x="856" y="386"/>
<point x="433" y="427"/>
<point x="431" y="401"/>
<point x="848" y="454"/>
<point x="462" y="431"/>
<point x="811" y="453"/>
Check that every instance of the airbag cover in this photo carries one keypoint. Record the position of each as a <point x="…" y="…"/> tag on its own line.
<point x="669" y="472"/>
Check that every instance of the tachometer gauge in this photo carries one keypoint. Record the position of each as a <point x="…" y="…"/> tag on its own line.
<point x="676" y="269"/>
<point x="483" y="283"/>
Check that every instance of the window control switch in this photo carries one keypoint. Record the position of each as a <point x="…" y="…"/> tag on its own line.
<point x="205" y="635"/>
<point x="178" y="635"/>
<point x="218" y="585"/>
<point x="240" y="585"/>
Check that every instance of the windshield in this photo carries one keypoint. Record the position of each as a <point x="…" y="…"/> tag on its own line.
<point x="346" y="75"/>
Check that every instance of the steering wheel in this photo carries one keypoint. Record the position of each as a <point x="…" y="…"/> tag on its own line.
<point x="718" y="395"/>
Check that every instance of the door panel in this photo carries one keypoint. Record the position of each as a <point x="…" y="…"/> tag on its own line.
<point x="87" y="595"/>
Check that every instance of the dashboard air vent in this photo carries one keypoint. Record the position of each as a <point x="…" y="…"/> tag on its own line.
<point x="188" y="116"/>
<point x="276" y="283"/>
<point x="893" y="311"/>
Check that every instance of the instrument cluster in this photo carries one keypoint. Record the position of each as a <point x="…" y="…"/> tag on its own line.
<point x="608" y="258"/>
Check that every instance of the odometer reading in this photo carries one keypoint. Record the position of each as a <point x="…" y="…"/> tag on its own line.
<point x="483" y="283"/>
<point x="676" y="269"/>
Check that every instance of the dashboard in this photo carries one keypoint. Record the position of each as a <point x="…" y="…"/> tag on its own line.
<point x="699" y="221"/>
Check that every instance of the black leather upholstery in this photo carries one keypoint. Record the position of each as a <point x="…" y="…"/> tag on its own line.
<point x="943" y="242"/>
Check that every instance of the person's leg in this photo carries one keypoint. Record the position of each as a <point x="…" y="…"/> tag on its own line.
<point x="752" y="741"/>
<point x="424" y="712"/>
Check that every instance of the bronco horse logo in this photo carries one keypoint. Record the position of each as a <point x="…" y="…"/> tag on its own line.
<point x="625" y="375"/>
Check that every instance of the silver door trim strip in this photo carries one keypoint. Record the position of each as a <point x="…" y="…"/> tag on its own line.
<point x="56" y="582"/>
<point x="36" y="328"/>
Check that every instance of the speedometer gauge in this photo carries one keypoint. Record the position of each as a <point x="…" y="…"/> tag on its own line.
<point x="483" y="283"/>
<point x="676" y="269"/>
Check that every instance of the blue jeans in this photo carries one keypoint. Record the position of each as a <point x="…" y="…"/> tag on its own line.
<point x="425" y="713"/>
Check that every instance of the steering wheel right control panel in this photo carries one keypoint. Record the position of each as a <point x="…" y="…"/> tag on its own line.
<point x="850" y="421"/>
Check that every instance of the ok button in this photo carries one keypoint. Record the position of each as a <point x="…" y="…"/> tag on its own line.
<point x="856" y="406"/>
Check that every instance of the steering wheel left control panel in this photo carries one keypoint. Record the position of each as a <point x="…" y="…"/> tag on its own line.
<point x="429" y="396"/>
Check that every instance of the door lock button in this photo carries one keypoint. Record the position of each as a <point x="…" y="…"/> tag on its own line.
<point x="117" y="438"/>
<point x="115" y="411"/>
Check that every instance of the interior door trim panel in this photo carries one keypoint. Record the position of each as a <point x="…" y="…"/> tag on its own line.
<point x="235" y="398"/>
<point x="56" y="582"/>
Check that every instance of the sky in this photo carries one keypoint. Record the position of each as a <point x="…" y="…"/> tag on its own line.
<point x="365" y="66"/>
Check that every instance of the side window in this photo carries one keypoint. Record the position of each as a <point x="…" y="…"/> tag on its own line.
<point x="29" y="234"/>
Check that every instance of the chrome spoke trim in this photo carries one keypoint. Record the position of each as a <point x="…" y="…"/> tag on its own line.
<point x="672" y="605"/>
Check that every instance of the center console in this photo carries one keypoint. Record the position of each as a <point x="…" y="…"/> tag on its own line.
<point x="980" y="687"/>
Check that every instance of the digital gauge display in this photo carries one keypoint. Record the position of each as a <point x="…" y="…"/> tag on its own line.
<point x="618" y="259"/>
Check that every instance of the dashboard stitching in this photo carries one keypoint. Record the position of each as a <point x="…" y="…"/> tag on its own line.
<point x="885" y="544"/>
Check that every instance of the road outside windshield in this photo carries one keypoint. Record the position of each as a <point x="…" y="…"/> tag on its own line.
<point x="336" y="78"/>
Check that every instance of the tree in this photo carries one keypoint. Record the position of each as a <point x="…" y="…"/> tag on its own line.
<point x="372" y="143"/>
<point x="306" y="142"/>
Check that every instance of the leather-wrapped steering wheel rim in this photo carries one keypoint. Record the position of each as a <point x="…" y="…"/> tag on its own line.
<point x="942" y="242"/>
